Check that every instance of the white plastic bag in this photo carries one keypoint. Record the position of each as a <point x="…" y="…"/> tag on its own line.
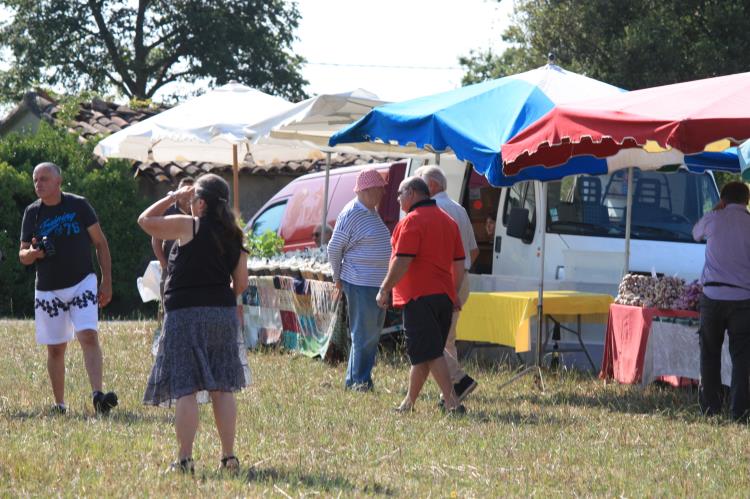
<point x="148" y="285"/>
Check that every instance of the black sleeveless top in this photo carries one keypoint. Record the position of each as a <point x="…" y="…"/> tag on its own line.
<point x="198" y="275"/>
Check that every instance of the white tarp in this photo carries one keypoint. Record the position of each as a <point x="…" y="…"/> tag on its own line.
<point x="201" y="129"/>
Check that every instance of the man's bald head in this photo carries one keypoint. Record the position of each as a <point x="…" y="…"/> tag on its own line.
<point x="48" y="182"/>
<point x="51" y="166"/>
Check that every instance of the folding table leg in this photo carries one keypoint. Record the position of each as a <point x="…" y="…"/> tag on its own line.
<point x="529" y="370"/>
<point x="583" y="347"/>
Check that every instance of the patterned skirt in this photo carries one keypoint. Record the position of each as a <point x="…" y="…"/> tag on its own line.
<point x="201" y="349"/>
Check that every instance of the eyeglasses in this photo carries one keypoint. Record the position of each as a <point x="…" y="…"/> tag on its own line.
<point x="401" y="192"/>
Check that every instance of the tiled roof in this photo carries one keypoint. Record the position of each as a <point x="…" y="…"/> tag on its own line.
<point x="93" y="118"/>
<point x="171" y="172"/>
<point x="97" y="117"/>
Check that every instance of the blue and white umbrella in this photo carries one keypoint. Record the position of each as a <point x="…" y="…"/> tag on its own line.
<point x="475" y="121"/>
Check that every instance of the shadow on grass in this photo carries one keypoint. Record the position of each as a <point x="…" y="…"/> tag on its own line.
<point x="116" y="416"/>
<point x="275" y="475"/>
<point x="514" y="417"/>
<point x="674" y="403"/>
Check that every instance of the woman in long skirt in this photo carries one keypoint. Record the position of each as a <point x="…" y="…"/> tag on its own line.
<point x="201" y="354"/>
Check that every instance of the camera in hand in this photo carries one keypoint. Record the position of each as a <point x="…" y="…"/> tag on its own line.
<point x="46" y="245"/>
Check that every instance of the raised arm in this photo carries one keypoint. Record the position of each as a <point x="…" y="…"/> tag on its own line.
<point x="171" y="227"/>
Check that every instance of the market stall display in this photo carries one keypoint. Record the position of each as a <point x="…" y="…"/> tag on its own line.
<point x="664" y="292"/>
<point x="291" y="300"/>
<point x="652" y="332"/>
<point x="691" y="297"/>
<point x="647" y="344"/>
<point x="302" y="314"/>
<point x="310" y="263"/>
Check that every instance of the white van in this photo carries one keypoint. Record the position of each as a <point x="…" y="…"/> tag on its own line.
<point x="585" y="239"/>
<point x="585" y="235"/>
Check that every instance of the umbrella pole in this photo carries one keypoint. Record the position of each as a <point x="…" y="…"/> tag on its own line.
<point x="542" y="217"/>
<point x="324" y="224"/>
<point x="437" y="158"/>
<point x="236" y="180"/>
<point x="536" y="368"/>
<point x="628" y="220"/>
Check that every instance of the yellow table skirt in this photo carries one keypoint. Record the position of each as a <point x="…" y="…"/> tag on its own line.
<point x="503" y="317"/>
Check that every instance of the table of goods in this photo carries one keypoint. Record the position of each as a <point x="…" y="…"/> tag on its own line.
<point x="652" y="332"/>
<point x="503" y="318"/>
<point x="292" y="300"/>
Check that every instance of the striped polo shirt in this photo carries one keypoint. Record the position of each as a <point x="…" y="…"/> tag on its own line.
<point x="360" y="246"/>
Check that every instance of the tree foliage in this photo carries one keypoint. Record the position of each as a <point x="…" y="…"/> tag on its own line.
<point x="135" y="48"/>
<point x="112" y="193"/>
<point x="16" y="282"/>
<point x="632" y="44"/>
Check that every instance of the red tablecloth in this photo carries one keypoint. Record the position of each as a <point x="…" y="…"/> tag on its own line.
<point x="625" y="344"/>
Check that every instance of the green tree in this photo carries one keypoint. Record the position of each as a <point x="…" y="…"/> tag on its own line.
<point x="16" y="282"/>
<point x="631" y="44"/>
<point x="135" y="48"/>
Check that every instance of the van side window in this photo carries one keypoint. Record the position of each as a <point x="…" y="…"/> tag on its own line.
<point x="269" y="219"/>
<point x="522" y="195"/>
<point x="665" y="205"/>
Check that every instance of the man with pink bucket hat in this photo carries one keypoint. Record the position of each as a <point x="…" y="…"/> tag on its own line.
<point x="359" y="252"/>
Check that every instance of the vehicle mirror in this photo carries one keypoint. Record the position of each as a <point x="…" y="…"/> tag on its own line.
<point x="518" y="222"/>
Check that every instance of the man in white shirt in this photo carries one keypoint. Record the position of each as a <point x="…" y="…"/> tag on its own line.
<point x="463" y="384"/>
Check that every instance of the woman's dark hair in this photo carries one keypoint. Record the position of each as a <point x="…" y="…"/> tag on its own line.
<point x="214" y="190"/>
<point x="735" y="193"/>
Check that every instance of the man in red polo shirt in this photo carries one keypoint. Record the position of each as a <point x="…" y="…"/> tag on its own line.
<point x="424" y="274"/>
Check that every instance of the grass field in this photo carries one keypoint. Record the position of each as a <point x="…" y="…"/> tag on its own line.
<point x="301" y="434"/>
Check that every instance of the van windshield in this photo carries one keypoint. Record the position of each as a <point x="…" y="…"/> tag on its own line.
<point x="665" y="205"/>
<point x="269" y="220"/>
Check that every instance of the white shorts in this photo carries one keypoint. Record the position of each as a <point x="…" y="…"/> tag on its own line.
<point x="60" y="314"/>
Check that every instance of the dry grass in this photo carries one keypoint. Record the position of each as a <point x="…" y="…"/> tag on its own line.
<point x="301" y="434"/>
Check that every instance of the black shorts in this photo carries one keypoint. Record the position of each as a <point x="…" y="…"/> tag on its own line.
<point x="427" y="322"/>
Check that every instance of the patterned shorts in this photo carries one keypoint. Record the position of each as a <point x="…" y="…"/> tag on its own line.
<point x="61" y="313"/>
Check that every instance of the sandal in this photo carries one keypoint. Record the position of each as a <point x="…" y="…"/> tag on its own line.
<point x="184" y="466"/>
<point x="59" y="409"/>
<point x="405" y="407"/>
<point x="230" y="463"/>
